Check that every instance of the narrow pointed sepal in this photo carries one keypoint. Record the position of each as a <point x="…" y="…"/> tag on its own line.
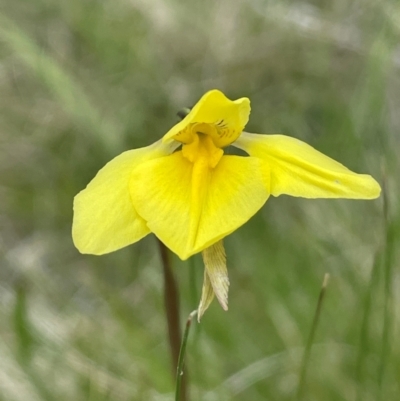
<point x="216" y="281"/>
<point x="207" y="296"/>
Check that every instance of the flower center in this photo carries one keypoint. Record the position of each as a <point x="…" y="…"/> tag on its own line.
<point x="201" y="148"/>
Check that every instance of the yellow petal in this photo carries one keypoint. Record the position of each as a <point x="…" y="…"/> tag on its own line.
<point x="189" y="207"/>
<point x="216" y="279"/>
<point x="215" y="115"/>
<point x="104" y="217"/>
<point x="297" y="169"/>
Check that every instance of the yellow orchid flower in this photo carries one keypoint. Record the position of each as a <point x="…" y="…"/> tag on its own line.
<point x="191" y="198"/>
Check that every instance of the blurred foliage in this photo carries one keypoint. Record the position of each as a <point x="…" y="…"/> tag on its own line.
<point x="83" y="80"/>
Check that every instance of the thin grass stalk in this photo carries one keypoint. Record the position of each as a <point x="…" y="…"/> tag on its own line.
<point x="307" y="351"/>
<point x="364" y="346"/>
<point x="181" y="360"/>
<point x="388" y="295"/>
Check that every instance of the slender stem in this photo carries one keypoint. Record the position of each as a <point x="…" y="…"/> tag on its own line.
<point x="193" y="281"/>
<point x="388" y="280"/>
<point x="171" y="301"/>
<point x="307" y="351"/>
<point x="365" y="335"/>
<point x="181" y="360"/>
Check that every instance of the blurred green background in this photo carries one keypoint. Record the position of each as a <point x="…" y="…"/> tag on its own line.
<point x="82" y="81"/>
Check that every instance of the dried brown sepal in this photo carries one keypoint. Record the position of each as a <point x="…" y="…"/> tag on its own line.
<point x="216" y="281"/>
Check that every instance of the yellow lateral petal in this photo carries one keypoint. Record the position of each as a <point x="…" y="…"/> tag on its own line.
<point x="189" y="210"/>
<point x="226" y="117"/>
<point x="104" y="217"/>
<point x="297" y="169"/>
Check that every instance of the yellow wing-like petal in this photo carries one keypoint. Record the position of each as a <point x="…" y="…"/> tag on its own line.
<point x="298" y="169"/>
<point x="227" y="119"/>
<point x="104" y="217"/>
<point x="189" y="208"/>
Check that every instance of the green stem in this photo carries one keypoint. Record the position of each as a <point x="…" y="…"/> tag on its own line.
<point x="364" y="346"/>
<point x="171" y="302"/>
<point x="310" y="341"/>
<point x="181" y="360"/>
<point x="388" y="280"/>
<point x="193" y="281"/>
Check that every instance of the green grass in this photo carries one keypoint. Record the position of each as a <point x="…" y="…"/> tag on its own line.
<point x="81" y="81"/>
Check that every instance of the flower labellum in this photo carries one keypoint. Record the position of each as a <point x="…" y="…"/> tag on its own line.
<point x="193" y="197"/>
